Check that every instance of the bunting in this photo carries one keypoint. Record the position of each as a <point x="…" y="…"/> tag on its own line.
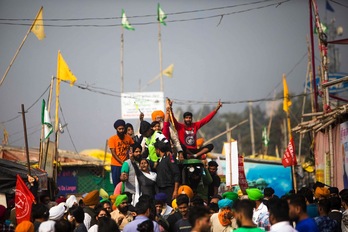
<point x="125" y="24"/>
<point x="169" y="71"/>
<point x="161" y="16"/>
<point x="287" y="101"/>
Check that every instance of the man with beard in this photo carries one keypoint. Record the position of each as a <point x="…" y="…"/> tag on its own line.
<point x="119" y="145"/>
<point x="128" y="175"/>
<point x="244" y="215"/>
<point x="199" y="219"/>
<point x="187" y="132"/>
<point x="121" y="215"/>
<point x="298" y="213"/>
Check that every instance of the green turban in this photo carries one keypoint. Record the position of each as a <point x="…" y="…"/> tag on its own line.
<point x="120" y="199"/>
<point x="230" y="195"/>
<point x="254" y="194"/>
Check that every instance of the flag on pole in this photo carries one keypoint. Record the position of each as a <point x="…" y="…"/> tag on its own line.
<point x="23" y="201"/>
<point x="287" y="101"/>
<point x="45" y="120"/>
<point x="323" y="28"/>
<point x="161" y="16"/>
<point x="125" y="23"/>
<point x="63" y="71"/>
<point x="168" y="71"/>
<point x="265" y="138"/>
<point x="329" y="7"/>
<point x="289" y="157"/>
<point x="38" y="28"/>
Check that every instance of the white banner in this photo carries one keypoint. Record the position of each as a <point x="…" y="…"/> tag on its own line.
<point x="147" y="102"/>
<point x="231" y="154"/>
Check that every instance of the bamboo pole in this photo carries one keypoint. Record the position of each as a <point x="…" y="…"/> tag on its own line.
<point x="19" y="48"/>
<point x="251" y="128"/>
<point x="26" y="139"/>
<point x="122" y="60"/>
<point x="160" y="54"/>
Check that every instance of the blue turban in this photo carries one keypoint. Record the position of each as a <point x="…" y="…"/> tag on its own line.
<point x="225" y="203"/>
<point x="119" y="122"/>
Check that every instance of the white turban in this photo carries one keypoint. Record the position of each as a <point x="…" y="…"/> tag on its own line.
<point x="47" y="226"/>
<point x="70" y="201"/>
<point x="57" y="212"/>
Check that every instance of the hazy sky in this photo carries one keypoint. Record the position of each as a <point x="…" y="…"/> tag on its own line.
<point x="238" y="57"/>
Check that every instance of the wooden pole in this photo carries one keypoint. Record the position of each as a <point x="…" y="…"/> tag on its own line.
<point x="19" y="48"/>
<point x="160" y="54"/>
<point x="122" y="58"/>
<point x="251" y="128"/>
<point x="314" y="85"/>
<point x="26" y="139"/>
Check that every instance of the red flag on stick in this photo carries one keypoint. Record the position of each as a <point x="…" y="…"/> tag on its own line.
<point x="23" y="199"/>
<point x="289" y="157"/>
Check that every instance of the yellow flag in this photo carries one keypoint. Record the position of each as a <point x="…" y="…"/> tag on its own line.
<point x="287" y="101"/>
<point x="38" y="28"/>
<point x="63" y="71"/>
<point x="168" y="71"/>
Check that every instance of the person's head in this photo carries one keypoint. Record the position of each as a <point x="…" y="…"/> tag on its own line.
<point x="144" y="165"/>
<point x="121" y="203"/>
<point x="25" y="226"/>
<point x="297" y="206"/>
<point x="333" y="191"/>
<point x="107" y="224"/>
<point x="145" y="226"/>
<point x="268" y="192"/>
<point x="156" y="126"/>
<point x="215" y="199"/>
<point x="187" y="118"/>
<point x="324" y="207"/>
<point x="119" y="125"/>
<point x="45" y="199"/>
<point x="107" y="205"/>
<point x="344" y="198"/>
<point x="199" y="218"/>
<point x="63" y="226"/>
<point x="145" y="129"/>
<point x="197" y="201"/>
<point x="92" y="198"/>
<point x="137" y="149"/>
<point x="39" y="212"/>
<point x="161" y="148"/>
<point x="212" y="167"/>
<point x="160" y="202"/>
<point x="308" y="194"/>
<point x="335" y="203"/>
<point x="143" y="208"/>
<point x="243" y="211"/>
<point x="182" y="202"/>
<point x="157" y="115"/>
<point x="101" y="212"/>
<point x="77" y="213"/>
<point x="278" y="210"/>
<point x="128" y="128"/>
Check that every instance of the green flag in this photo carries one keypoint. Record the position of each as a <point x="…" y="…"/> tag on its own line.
<point x="323" y="28"/>
<point x="265" y="138"/>
<point x="125" y="23"/>
<point x="46" y="121"/>
<point x="161" y="16"/>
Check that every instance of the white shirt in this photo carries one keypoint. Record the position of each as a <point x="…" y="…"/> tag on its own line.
<point x="282" y="227"/>
<point x="261" y="209"/>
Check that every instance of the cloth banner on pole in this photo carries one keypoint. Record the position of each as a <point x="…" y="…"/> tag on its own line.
<point x="23" y="201"/>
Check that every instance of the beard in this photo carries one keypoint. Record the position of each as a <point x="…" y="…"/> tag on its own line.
<point x="123" y="210"/>
<point x="137" y="158"/>
<point x="120" y="135"/>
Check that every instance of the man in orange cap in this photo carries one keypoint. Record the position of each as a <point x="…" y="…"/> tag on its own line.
<point x="90" y="201"/>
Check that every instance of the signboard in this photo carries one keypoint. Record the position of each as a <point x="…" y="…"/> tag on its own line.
<point x="147" y="102"/>
<point x="338" y="88"/>
<point x="67" y="182"/>
<point x="232" y="170"/>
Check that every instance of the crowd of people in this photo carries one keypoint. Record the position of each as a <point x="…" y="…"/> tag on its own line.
<point x="163" y="182"/>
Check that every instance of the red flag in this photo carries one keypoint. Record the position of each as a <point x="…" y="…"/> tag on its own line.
<point x="23" y="199"/>
<point x="243" y="183"/>
<point x="289" y="157"/>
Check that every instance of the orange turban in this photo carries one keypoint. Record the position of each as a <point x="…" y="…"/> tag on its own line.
<point x="321" y="192"/>
<point x="157" y="113"/>
<point x="25" y="226"/>
<point x="185" y="189"/>
<point x="92" y="198"/>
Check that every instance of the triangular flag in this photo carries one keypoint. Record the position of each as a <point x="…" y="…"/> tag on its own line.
<point x="63" y="71"/>
<point x="289" y="158"/>
<point x="125" y="23"/>
<point x="23" y="201"/>
<point x="329" y="7"/>
<point x="38" y="28"/>
<point x="168" y="71"/>
<point x="46" y="121"/>
<point x="287" y="101"/>
<point x="323" y="28"/>
<point x="161" y="16"/>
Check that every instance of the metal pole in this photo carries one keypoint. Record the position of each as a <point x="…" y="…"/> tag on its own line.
<point x="26" y="139"/>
